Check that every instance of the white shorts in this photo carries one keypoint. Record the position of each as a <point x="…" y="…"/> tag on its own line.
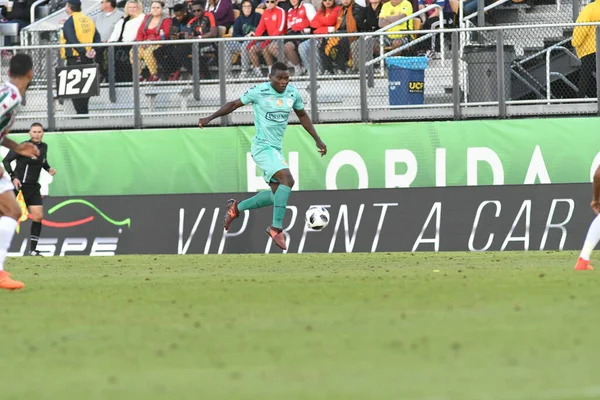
<point x="6" y="183"/>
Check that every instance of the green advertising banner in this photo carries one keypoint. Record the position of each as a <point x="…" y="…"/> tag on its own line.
<point x="210" y="160"/>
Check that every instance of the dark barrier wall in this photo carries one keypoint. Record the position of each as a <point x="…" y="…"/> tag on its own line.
<point x="530" y="217"/>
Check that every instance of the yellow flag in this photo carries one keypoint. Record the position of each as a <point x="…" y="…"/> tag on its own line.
<point x="24" y="213"/>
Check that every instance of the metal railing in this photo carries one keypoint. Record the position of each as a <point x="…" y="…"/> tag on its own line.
<point x="487" y="89"/>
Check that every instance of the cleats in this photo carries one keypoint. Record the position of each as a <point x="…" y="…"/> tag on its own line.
<point x="7" y="283"/>
<point x="232" y="213"/>
<point x="277" y="236"/>
<point x="583" y="265"/>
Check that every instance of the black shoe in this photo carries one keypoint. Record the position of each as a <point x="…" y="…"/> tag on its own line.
<point x="35" y="253"/>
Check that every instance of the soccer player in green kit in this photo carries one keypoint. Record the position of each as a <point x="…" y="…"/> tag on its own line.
<point x="272" y="103"/>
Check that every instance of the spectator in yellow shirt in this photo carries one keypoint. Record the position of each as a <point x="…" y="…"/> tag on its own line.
<point x="584" y="41"/>
<point x="392" y="11"/>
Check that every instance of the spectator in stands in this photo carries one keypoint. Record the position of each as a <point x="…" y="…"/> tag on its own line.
<point x="223" y="13"/>
<point x="273" y="23"/>
<point x="584" y="41"/>
<point x="105" y="24"/>
<point x="369" y="22"/>
<point x="16" y="12"/>
<point x="298" y="23"/>
<point x="245" y="25"/>
<point x="78" y="29"/>
<point x="323" y="22"/>
<point x="156" y="26"/>
<point x="393" y="11"/>
<point x="284" y="4"/>
<point x="165" y="55"/>
<point x="126" y="30"/>
<point x="336" y="51"/>
<point x="432" y="17"/>
<point x="202" y="26"/>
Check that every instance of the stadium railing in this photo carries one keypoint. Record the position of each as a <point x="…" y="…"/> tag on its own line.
<point x="497" y="79"/>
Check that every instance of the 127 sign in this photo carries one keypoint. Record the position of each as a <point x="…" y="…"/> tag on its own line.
<point x="77" y="81"/>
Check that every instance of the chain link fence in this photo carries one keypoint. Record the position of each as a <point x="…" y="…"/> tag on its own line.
<point x="438" y="74"/>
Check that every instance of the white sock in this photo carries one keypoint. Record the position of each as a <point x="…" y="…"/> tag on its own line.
<point x="591" y="239"/>
<point x="8" y="226"/>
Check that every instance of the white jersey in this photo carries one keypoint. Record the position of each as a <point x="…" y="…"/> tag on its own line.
<point x="10" y="100"/>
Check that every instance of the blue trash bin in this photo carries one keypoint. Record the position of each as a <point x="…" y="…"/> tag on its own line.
<point x="406" y="80"/>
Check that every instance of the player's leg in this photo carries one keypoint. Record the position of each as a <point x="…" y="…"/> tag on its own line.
<point x="282" y="190"/>
<point x="9" y="214"/>
<point x="37" y="214"/>
<point x="593" y="234"/>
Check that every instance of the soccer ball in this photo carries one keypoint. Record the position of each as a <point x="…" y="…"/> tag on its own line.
<point x="317" y="218"/>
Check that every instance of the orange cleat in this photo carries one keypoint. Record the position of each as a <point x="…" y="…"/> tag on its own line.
<point x="7" y="283"/>
<point x="232" y="213"/>
<point x="277" y="236"/>
<point x="583" y="265"/>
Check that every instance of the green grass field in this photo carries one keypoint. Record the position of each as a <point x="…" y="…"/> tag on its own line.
<point x="344" y="326"/>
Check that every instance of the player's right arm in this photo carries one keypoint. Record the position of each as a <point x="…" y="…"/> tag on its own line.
<point x="226" y="109"/>
<point x="251" y="96"/>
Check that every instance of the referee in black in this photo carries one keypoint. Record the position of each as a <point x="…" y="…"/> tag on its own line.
<point x="25" y="178"/>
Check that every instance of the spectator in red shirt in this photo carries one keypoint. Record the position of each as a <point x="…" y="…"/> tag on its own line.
<point x="150" y="29"/>
<point x="323" y="22"/>
<point x="273" y="23"/>
<point x="299" y="18"/>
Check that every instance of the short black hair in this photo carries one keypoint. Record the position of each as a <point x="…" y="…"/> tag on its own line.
<point x="20" y="65"/>
<point x="179" y="7"/>
<point x="199" y="3"/>
<point x="113" y="3"/>
<point x="278" y="66"/>
<point x="74" y="7"/>
<point x="37" y="124"/>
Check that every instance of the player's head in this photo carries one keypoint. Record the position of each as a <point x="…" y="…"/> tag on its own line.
<point x="21" y="68"/>
<point x="279" y="76"/>
<point x="36" y="132"/>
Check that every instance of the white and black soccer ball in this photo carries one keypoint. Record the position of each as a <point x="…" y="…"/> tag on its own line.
<point x="317" y="218"/>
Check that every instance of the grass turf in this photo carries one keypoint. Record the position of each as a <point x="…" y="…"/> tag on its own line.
<point x="332" y="326"/>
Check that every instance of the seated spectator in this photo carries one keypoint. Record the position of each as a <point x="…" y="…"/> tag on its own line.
<point x="223" y="13"/>
<point x="432" y="17"/>
<point x="156" y="26"/>
<point x="369" y="22"/>
<point x="202" y="26"/>
<point x="298" y="23"/>
<point x="105" y="24"/>
<point x="393" y="11"/>
<point x="273" y="22"/>
<point x="245" y="25"/>
<point x="15" y="12"/>
<point x="336" y="51"/>
<point x="125" y="31"/>
<point x="323" y="22"/>
<point x="165" y="55"/>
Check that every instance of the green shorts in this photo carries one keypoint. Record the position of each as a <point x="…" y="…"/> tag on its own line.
<point x="269" y="159"/>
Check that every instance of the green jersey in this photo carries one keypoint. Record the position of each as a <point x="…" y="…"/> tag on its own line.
<point x="271" y="111"/>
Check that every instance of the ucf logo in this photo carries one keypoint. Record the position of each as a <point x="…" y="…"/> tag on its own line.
<point x="415" y="87"/>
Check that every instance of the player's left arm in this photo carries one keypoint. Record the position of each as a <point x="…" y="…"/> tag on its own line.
<point x="310" y="128"/>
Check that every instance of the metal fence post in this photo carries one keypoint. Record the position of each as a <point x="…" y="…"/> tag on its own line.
<point x="196" y="70"/>
<point x="500" y="72"/>
<point x="112" y="90"/>
<point x="51" y="123"/>
<point x="314" y="112"/>
<point x="597" y="70"/>
<point x="480" y="13"/>
<point x="135" y="75"/>
<point x="456" y="76"/>
<point x="575" y="4"/>
<point x="222" y="81"/>
<point x="362" y="71"/>
<point x="280" y="51"/>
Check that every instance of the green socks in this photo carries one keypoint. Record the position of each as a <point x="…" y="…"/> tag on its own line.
<point x="280" y="203"/>
<point x="261" y="199"/>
